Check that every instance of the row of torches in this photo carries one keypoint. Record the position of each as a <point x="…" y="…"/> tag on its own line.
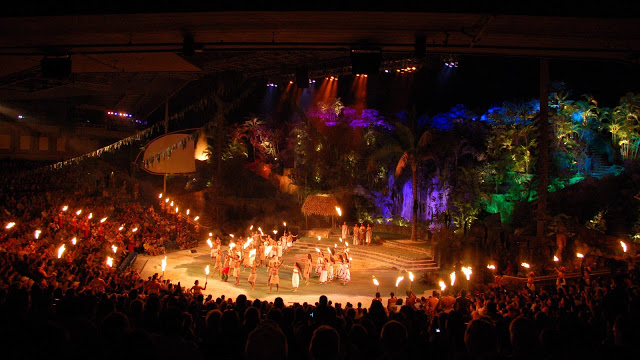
<point x="74" y="240"/>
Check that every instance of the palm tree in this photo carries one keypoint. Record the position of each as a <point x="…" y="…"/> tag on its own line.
<point x="411" y="147"/>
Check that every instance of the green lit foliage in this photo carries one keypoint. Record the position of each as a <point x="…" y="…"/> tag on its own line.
<point x="626" y="117"/>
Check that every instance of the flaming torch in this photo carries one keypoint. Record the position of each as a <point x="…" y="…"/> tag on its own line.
<point x="275" y="232"/>
<point x="452" y="276"/>
<point x="109" y="261"/>
<point x="319" y="238"/>
<point x="166" y="200"/>
<point x="206" y="273"/>
<point x="103" y="219"/>
<point x="114" y="248"/>
<point x="376" y="283"/>
<point x="134" y="229"/>
<point x="467" y="272"/>
<point x="90" y="216"/>
<point x="398" y="281"/>
<point x="284" y="223"/>
<point x="160" y="196"/>
<point x="79" y="212"/>
<point x="442" y="285"/>
<point x="164" y="265"/>
<point x="579" y="255"/>
<point x="61" y="250"/>
<point x="196" y="218"/>
<point x="120" y="228"/>
<point x="624" y="246"/>
<point x="525" y="265"/>
<point x="74" y="241"/>
<point x="410" y="279"/>
<point x="210" y="243"/>
<point x="188" y="211"/>
<point x="491" y="267"/>
<point x="10" y="225"/>
<point x="64" y="208"/>
<point x="37" y="234"/>
<point x="555" y="258"/>
<point x="339" y="211"/>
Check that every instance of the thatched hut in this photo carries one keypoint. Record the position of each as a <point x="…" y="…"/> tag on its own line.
<point x="323" y="205"/>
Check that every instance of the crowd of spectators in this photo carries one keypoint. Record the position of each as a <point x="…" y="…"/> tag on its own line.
<point x="77" y="306"/>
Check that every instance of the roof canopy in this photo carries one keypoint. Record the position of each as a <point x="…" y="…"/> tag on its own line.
<point x="320" y="205"/>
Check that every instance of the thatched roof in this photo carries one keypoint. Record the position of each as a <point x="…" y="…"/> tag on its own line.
<point x="320" y="205"/>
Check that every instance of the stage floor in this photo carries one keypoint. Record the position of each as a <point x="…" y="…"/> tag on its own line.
<point x="186" y="267"/>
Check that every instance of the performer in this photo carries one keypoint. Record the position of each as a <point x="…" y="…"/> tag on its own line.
<point x="225" y="268"/>
<point x="253" y="275"/>
<point x="391" y="303"/>
<point x="530" y="282"/>
<point x="324" y="273"/>
<point x="345" y="231"/>
<point x="561" y="280"/>
<point x="319" y="263"/>
<point x="236" y="268"/>
<point x="308" y="263"/>
<point x="363" y="234"/>
<point x="356" y="234"/>
<point x="274" y="278"/>
<point x="346" y="273"/>
<point x="218" y="264"/>
<point x="197" y="289"/>
<point x="290" y="241"/>
<point x="295" y="275"/>
<point x="369" y="234"/>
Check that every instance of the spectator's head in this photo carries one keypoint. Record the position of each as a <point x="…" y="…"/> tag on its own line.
<point x="481" y="338"/>
<point x="325" y="344"/>
<point x="377" y="295"/>
<point x="394" y="337"/>
<point x="323" y="300"/>
<point x="392" y="294"/>
<point x="523" y="335"/>
<point x="266" y="342"/>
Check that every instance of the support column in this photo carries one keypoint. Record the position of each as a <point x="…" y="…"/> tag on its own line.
<point x="542" y="167"/>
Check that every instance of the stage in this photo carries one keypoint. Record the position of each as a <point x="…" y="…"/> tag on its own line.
<point x="186" y="266"/>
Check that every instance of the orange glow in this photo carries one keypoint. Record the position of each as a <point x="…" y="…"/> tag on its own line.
<point x="201" y="147"/>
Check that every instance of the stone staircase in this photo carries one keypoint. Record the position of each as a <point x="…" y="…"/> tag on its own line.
<point x="601" y="167"/>
<point x="422" y="263"/>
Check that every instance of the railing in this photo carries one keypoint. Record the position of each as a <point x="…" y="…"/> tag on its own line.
<point x="128" y="261"/>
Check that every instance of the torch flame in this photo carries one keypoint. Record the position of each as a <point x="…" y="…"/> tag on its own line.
<point x="491" y="266"/>
<point x="442" y="285"/>
<point x="251" y="227"/>
<point x="346" y="243"/>
<point x="176" y="209"/>
<point x="318" y="250"/>
<point x="109" y="261"/>
<point x="398" y="280"/>
<point x="526" y="265"/>
<point x="319" y="237"/>
<point x="160" y="196"/>
<point x="164" y="263"/>
<point x="247" y="243"/>
<point x="555" y="258"/>
<point x="210" y="243"/>
<point x="188" y="211"/>
<point x="166" y="200"/>
<point x="284" y="223"/>
<point x="335" y="246"/>
<point x="231" y="235"/>
<point x="624" y="246"/>
<point x="340" y="239"/>
<point x="410" y="276"/>
<point x="452" y="276"/>
<point x="196" y="218"/>
<point x="467" y="272"/>
<point x="90" y="216"/>
<point x="114" y="248"/>
<point x="134" y="229"/>
<point x="74" y="241"/>
<point x="375" y="282"/>
<point x="64" y="208"/>
<point x="10" y="225"/>
<point x="579" y="255"/>
<point x="37" y="234"/>
<point x="231" y="245"/>
<point x="61" y="249"/>
<point x="78" y="212"/>
<point x="103" y="219"/>
<point x="120" y="228"/>
<point x="275" y="232"/>
<point x="339" y="211"/>
<point x="206" y="270"/>
<point x="171" y="204"/>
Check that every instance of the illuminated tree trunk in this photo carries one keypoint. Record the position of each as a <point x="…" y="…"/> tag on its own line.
<point x="543" y="151"/>
<point x="414" y="215"/>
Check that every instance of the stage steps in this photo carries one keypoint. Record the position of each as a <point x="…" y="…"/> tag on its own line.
<point x="422" y="263"/>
